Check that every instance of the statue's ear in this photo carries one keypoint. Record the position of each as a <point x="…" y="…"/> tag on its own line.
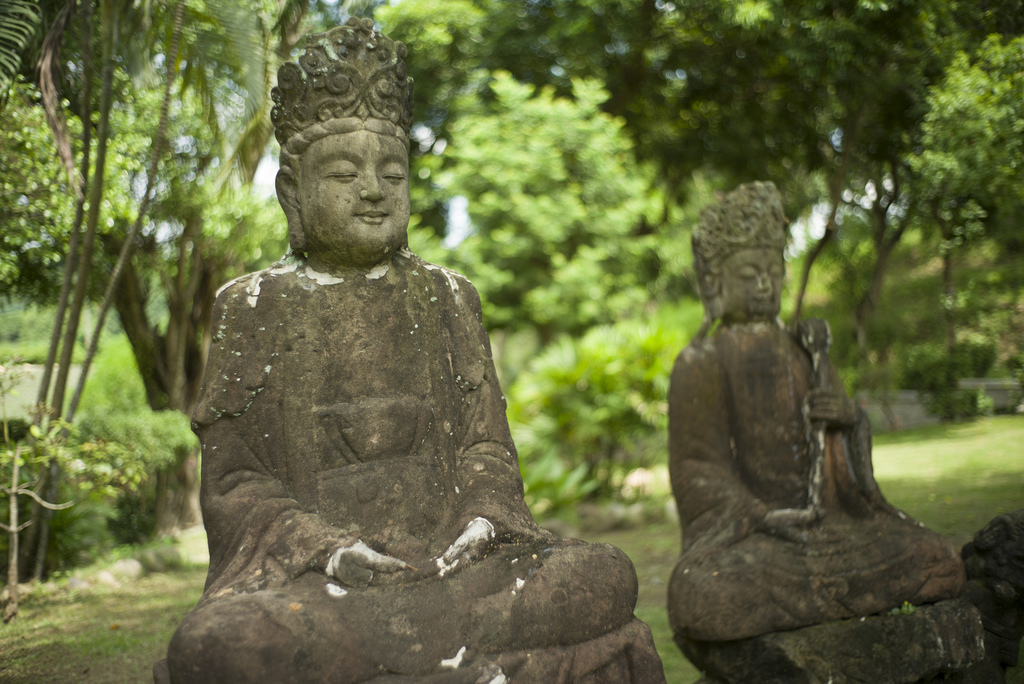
<point x="711" y="293"/>
<point x="288" y="196"/>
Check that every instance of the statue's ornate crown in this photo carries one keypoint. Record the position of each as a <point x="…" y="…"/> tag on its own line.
<point x="350" y="71"/>
<point x="749" y="216"/>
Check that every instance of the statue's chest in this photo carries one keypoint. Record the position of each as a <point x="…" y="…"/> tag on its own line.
<point x="350" y="346"/>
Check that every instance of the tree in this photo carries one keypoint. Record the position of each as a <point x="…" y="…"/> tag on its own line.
<point x="231" y="72"/>
<point x="558" y="207"/>
<point x="969" y="163"/>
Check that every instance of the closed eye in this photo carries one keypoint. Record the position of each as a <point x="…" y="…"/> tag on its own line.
<point x="344" y="177"/>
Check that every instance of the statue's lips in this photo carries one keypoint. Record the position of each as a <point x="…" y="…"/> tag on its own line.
<point x="372" y="217"/>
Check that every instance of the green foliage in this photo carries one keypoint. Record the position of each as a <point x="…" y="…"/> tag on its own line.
<point x="973" y="142"/>
<point x="35" y="201"/>
<point x="935" y="370"/>
<point x="587" y="411"/>
<point x="125" y="441"/>
<point x="79" y="534"/>
<point x="557" y="205"/>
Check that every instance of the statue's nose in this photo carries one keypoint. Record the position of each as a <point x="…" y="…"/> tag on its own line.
<point x="764" y="283"/>
<point x="371" y="190"/>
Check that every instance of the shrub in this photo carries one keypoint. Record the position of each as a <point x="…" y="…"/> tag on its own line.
<point x="934" y="371"/>
<point x="586" y="412"/>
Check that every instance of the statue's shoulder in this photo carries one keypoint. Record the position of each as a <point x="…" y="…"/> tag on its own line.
<point x="470" y="350"/>
<point x="247" y="329"/>
<point x="245" y="292"/>
<point x="451" y="282"/>
<point x="700" y="351"/>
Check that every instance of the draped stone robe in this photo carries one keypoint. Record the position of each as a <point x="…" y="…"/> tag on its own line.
<point x="367" y="408"/>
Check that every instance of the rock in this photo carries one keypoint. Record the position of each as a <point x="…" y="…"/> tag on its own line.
<point x="76" y="583"/>
<point x="23" y="591"/>
<point x="107" y="578"/>
<point x="160" y="558"/>
<point x="128" y="568"/>
<point x="602" y="518"/>
<point x="892" y="649"/>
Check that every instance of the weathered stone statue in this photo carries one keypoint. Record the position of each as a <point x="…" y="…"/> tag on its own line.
<point x="783" y="525"/>
<point x="360" y="488"/>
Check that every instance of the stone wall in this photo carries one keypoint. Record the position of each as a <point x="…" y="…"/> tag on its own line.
<point x="904" y="409"/>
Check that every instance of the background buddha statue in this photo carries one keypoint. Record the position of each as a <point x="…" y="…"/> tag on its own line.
<point x="783" y="525"/>
<point x="360" y="487"/>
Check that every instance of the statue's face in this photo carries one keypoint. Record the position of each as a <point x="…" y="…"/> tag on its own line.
<point x="751" y="285"/>
<point x="353" y="195"/>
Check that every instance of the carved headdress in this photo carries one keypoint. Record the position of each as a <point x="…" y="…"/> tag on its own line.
<point x="749" y="217"/>
<point x="348" y="78"/>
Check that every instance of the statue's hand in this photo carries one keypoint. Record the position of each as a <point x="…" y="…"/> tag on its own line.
<point x="789" y="523"/>
<point x="470" y="545"/>
<point x="355" y="565"/>
<point x="834" y="408"/>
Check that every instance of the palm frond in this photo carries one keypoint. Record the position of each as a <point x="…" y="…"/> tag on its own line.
<point x="249" y="147"/>
<point x="49" y="63"/>
<point x="19" y="21"/>
<point x="245" y="50"/>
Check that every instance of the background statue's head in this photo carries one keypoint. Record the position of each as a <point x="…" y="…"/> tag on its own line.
<point x="342" y="116"/>
<point x="737" y="253"/>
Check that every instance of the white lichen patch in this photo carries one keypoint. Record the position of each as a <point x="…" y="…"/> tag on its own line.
<point x="253" y="289"/>
<point x="450" y="276"/>
<point x="520" y="583"/>
<point x="444" y="567"/>
<point x="366" y="557"/>
<point x="377" y="272"/>
<point x="477" y="531"/>
<point x="455" y="660"/>
<point x="335" y="590"/>
<point x="322" y="278"/>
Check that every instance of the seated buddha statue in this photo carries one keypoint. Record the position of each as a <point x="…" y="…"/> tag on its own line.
<point x="360" y="487"/>
<point x="783" y="524"/>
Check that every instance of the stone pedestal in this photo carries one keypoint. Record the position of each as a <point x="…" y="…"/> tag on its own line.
<point x="892" y="649"/>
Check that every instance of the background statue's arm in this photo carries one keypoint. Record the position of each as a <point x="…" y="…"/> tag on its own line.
<point x="715" y="506"/>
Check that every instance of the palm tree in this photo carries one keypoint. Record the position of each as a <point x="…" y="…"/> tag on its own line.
<point x="223" y="41"/>
<point x="19" y="20"/>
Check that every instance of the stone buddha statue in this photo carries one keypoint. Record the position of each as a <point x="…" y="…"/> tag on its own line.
<point x="783" y="525"/>
<point x="360" y="487"/>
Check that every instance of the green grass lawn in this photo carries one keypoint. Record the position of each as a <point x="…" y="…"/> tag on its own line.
<point x="953" y="478"/>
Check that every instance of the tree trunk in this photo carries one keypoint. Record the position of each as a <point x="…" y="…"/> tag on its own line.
<point x="129" y="241"/>
<point x="109" y="23"/>
<point x="12" y="546"/>
<point x="885" y="244"/>
<point x="70" y="265"/>
<point x="81" y="187"/>
<point x="948" y="285"/>
<point x="836" y="184"/>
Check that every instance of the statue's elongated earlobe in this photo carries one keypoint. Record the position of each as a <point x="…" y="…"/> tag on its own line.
<point x="287" y="195"/>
